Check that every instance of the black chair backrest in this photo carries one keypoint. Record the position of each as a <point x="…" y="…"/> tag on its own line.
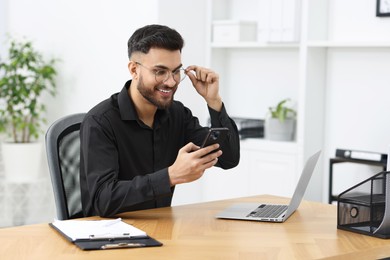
<point x="63" y="156"/>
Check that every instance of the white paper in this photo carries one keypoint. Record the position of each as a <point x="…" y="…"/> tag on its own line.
<point x="93" y="229"/>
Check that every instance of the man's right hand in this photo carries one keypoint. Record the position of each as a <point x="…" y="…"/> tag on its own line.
<point x="191" y="162"/>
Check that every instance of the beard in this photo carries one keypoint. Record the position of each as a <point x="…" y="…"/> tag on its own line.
<point x="150" y="94"/>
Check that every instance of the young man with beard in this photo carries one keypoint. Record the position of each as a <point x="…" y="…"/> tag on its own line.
<point x="138" y="144"/>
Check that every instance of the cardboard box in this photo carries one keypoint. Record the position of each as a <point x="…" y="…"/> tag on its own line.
<point x="234" y="31"/>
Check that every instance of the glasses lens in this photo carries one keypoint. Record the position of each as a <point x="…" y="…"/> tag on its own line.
<point x="163" y="75"/>
<point x="179" y="75"/>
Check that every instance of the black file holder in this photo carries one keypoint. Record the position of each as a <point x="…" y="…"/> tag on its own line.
<point x="365" y="207"/>
<point x="116" y="243"/>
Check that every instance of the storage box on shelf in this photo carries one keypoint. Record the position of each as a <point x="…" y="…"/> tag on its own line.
<point x="234" y="31"/>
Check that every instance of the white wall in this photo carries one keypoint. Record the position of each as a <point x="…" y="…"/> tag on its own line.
<point x="3" y="25"/>
<point x="89" y="38"/>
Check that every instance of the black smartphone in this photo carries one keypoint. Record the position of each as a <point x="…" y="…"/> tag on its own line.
<point x="215" y="135"/>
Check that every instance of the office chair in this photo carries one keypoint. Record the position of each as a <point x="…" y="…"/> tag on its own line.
<point x="63" y="156"/>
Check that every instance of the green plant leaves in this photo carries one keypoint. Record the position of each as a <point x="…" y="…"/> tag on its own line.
<point x="24" y="77"/>
<point x="281" y="111"/>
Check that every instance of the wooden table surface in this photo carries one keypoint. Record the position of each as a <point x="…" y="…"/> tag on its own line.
<point x="192" y="232"/>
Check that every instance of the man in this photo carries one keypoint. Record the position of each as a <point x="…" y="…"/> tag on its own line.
<point x="140" y="143"/>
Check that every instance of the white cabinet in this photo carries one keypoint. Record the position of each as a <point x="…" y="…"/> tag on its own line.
<point x="264" y="168"/>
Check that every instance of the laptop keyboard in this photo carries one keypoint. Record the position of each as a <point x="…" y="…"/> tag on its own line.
<point x="268" y="211"/>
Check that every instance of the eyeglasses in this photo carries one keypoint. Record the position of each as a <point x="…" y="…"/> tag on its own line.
<point x="162" y="75"/>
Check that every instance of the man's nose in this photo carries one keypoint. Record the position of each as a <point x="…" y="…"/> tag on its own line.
<point x="170" y="81"/>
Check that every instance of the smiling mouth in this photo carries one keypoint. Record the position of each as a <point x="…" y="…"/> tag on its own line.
<point x="165" y="91"/>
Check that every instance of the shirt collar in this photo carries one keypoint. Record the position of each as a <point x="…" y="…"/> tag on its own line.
<point x="126" y="105"/>
<point x="127" y="108"/>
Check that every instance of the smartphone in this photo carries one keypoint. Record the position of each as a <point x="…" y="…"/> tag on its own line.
<point x="215" y="135"/>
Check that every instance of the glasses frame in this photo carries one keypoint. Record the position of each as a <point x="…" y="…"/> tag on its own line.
<point x="169" y="73"/>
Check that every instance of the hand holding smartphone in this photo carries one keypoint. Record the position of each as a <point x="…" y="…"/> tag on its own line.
<point x="215" y="135"/>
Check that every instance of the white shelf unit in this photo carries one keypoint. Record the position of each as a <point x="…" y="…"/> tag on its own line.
<point x="330" y="64"/>
<point x="254" y="76"/>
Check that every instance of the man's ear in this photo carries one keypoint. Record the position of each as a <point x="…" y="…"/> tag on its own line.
<point x="132" y="66"/>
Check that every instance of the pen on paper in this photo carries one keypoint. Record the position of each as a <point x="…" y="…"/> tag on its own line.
<point x="122" y="245"/>
<point x="109" y="236"/>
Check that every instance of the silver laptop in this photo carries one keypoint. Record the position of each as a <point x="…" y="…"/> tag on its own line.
<point x="273" y="212"/>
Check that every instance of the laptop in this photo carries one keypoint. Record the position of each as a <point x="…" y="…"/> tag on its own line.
<point x="273" y="212"/>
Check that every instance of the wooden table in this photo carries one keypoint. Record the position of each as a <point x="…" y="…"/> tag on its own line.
<point x="192" y="232"/>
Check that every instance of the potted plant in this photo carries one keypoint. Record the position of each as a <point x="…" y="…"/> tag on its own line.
<point x="24" y="77"/>
<point x="280" y="124"/>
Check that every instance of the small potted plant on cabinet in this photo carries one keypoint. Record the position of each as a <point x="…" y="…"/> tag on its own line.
<point x="24" y="77"/>
<point x="280" y="123"/>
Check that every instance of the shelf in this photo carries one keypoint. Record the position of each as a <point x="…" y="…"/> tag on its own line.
<point x="354" y="44"/>
<point x="311" y="44"/>
<point x="332" y="197"/>
<point x="342" y="160"/>
<point x="254" y="45"/>
<point x="268" y="145"/>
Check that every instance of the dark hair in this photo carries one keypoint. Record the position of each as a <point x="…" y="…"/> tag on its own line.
<point x="154" y="36"/>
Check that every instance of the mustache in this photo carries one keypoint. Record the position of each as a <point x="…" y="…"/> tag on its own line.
<point x="165" y="86"/>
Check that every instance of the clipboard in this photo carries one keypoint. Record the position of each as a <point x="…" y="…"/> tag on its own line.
<point x="101" y="240"/>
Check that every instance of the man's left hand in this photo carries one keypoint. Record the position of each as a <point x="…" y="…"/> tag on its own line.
<point x="206" y="83"/>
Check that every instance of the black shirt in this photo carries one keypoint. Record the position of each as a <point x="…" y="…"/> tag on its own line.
<point x="124" y="163"/>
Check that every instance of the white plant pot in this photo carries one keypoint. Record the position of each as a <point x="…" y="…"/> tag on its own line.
<point x="22" y="161"/>
<point x="279" y="131"/>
